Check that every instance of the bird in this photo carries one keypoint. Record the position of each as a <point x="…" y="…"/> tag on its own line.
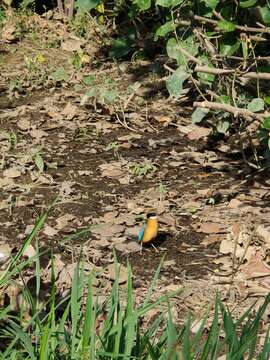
<point x="149" y="231"/>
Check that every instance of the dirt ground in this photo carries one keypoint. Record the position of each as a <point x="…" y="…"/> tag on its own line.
<point x="109" y="164"/>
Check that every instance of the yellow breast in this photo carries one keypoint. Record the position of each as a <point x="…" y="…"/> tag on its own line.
<point x="151" y="230"/>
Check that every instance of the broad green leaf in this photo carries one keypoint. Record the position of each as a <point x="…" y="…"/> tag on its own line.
<point x="223" y="126"/>
<point x="267" y="100"/>
<point x="78" y="87"/>
<point x="120" y="48"/>
<point x="226" y="26"/>
<point x="143" y="5"/>
<point x="224" y="99"/>
<point x="266" y="123"/>
<point x="60" y="74"/>
<point x="229" y="44"/>
<point x="211" y="3"/>
<point x="256" y="105"/>
<point x="39" y="162"/>
<point x="265" y="14"/>
<point x="247" y="3"/>
<point x="205" y="77"/>
<point x="86" y="5"/>
<point x="175" y="82"/>
<point x="92" y="92"/>
<point x="169" y="3"/>
<point x="198" y="114"/>
<point x="164" y="29"/>
<point x="109" y="96"/>
<point x="88" y="79"/>
<point x="174" y="49"/>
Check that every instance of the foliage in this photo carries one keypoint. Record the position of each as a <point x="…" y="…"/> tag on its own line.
<point x="80" y="326"/>
<point x="213" y="48"/>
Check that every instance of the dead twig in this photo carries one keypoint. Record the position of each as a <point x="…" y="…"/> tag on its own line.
<point x="231" y="109"/>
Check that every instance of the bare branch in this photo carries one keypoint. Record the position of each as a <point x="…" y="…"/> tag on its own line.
<point x="231" y="109"/>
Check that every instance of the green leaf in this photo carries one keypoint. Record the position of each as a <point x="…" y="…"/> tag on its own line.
<point x="164" y="29"/>
<point x="211" y="3"/>
<point x="222" y="127"/>
<point x="226" y="26"/>
<point x="265" y="14"/>
<point x="78" y="87"/>
<point x="174" y="49"/>
<point x="109" y="96"/>
<point x="86" y="5"/>
<point x="266" y="123"/>
<point x="256" y="105"/>
<point x="169" y="3"/>
<point x="267" y="100"/>
<point x="92" y="92"/>
<point x="205" y="77"/>
<point x="39" y="162"/>
<point x="247" y="3"/>
<point x="88" y="79"/>
<point x="120" y="48"/>
<point x="143" y="5"/>
<point x="175" y="82"/>
<point x="60" y="74"/>
<point x="198" y="114"/>
<point x="224" y="99"/>
<point x="229" y="44"/>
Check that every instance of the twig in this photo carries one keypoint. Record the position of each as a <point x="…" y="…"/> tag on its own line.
<point x="264" y="30"/>
<point x="124" y="124"/>
<point x="219" y="71"/>
<point x="231" y="109"/>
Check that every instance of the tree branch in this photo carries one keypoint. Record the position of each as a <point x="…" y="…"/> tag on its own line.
<point x="231" y="109"/>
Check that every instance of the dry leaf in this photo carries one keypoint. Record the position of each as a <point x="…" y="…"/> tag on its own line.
<point x="209" y="228"/>
<point x="70" y="111"/>
<point x="29" y="251"/>
<point x="8" y="32"/>
<point x="71" y="45"/>
<point x="199" y="133"/>
<point x="211" y="239"/>
<point x="49" y="231"/>
<point x="108" y="230"/>
<point x="64" y="221"/>
<point x="264" y="232"/>
<point x="11" y="173"/>
<point x="255" y="267"/>
<point x="24" y="124"/>
<point x="5" y="251"/>
<point x="112" y="275"/>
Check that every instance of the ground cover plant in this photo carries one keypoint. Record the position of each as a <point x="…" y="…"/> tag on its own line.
<point x="118" y="109"/>
<point x="79" y="325"/>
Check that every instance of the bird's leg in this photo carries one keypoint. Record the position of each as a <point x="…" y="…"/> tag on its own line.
<point x="155" y="248"/>
<point x="141" y="248"/>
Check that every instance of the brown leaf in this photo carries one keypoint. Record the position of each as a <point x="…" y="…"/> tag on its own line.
<point x="29" y="251"/>
<point x="112" y="275"/>
<point x="64" y="221"/>
<point x="49" y="231"/>
<point x="11" y="173"/>
<point x="209" y="228"/>
<point x="199" y="133"/>
<point x="5" y="251"/>
<point x="108" y="230"/>
<point x="71" y="45"/>
<point x="211" y="239"/>
<point x="256" y="267"/>
<point x="24" y="124"/>
<point x="70" y="111"/>
<point x="9" y="32"/>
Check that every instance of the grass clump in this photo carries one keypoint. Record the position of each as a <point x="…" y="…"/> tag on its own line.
<point x="80" y="326"/>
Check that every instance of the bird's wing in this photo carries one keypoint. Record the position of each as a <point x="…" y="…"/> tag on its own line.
<point x="141" y="232"/>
